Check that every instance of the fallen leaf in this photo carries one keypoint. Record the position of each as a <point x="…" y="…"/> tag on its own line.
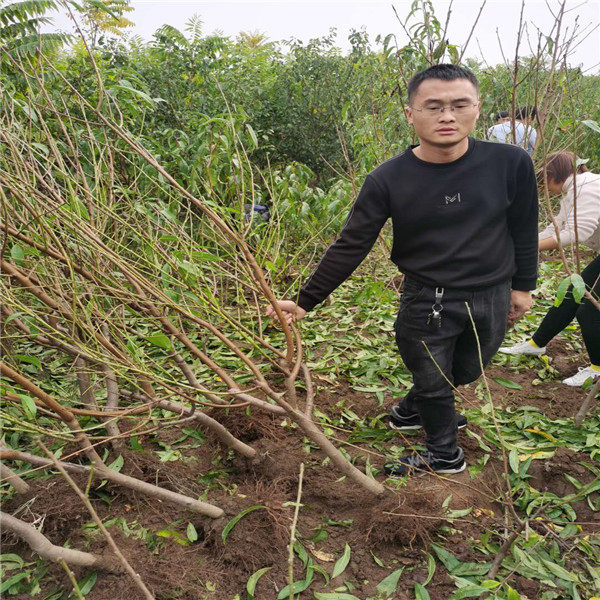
<point x="536" y="455"/>
<point x="324" y="556"/>
<point x="543" y="434"/>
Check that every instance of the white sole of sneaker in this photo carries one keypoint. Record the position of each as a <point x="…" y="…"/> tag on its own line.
<point x="425" y="472"/>
<point x="404" y="427"/>
<point x="454" y="470"/>
<point x="413" y="427"/>
<point x="522" y="353"/>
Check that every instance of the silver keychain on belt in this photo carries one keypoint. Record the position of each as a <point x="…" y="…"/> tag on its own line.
<point x="435" y="316"/>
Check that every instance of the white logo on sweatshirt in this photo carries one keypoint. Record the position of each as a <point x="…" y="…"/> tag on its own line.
<point x="452" y="199"/>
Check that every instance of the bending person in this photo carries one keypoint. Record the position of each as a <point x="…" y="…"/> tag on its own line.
<point x="584" y="187"/>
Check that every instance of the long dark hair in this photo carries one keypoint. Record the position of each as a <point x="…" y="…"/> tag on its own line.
<point x="561" y="165"/>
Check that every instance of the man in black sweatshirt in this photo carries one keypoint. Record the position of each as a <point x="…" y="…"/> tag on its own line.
<point x="465" y="216"/>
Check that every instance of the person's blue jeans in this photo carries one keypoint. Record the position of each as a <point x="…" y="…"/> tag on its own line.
<point x="445" y="356"/>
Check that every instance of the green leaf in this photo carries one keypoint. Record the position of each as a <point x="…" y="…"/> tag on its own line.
<point x="30" y="360"/>
<point x="8" y="583"/>
<point x="342" y="563"/>
<point x="421" y="593"/>
<point x="29" y="406"/>
<point x="166" y="533"/>
<point x="117" y="464"/>
<point x="578" y="287"/>
<point x="300" y="550"/>
<point x="513" y="459"/>
<point x="439" y="51"/>
<point x="44" y="149"/>
<point x="470" y="591"/>
<point x="231" y="524"/>
<point x="86" y="584"/>
<point x="471" y="568"/>
<point x="456" y="514"/>
<point x="453" y="51"/>
<point x="17" y="254"/>
<point x="508" y="383"/>
<point x="320" y="536"/>
<point x="377" y="560"/>
<point x="160" y="340"/>
<point x="77" y="207"/>
<point x="447" y="559"/>
<point x="202" y="256"/>
<point x="253" y="580"/>
<point x="11" y="561"/>
<point x="389" y="584"/>
<point x="560" y="572"/>
<point x="297" y="586"/>
<point x="173" y="535"/>
<point x="322" y="571"/>
<point x="253" y="135"/>
<point x="457" y="568"/>
<point x="99" y="5"/>
<point x="191" y="532"/>
<point x="15" y="315"/>
<point x="561" y="291"/>
<point x="592" y="125"/>
<point x="511" y="594"/>
<point x="430" y="569"/>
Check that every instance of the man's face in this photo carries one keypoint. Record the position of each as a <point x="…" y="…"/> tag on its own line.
<point x="449" y="127"/>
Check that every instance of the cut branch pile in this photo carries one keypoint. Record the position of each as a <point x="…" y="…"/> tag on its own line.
<point x="145" y="297"/>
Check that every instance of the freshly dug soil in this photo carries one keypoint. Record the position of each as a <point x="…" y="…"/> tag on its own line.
<point x="395" y="529"/>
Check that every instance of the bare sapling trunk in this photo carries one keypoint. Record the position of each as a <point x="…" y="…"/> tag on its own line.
<point x="41" y="545"/>
<point x="100" y="469"/>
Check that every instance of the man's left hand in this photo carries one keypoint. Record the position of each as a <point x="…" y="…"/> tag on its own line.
<point x="520" y="303"/>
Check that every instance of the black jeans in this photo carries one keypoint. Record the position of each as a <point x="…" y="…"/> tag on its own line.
<point x="440" y="357"/>
<point x="558" y="317"/>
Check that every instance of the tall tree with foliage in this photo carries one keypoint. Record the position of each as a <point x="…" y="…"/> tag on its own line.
<point x="20" y="27"/>
<point x="106" y="17"/>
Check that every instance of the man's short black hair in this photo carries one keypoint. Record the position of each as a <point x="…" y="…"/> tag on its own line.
<point x="503" y="114"/>
<point x="446" y="72"/>
<point x="525" y="112"/>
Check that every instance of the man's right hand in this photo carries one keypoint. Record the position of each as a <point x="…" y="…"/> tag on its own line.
<point x="291" y="311"/>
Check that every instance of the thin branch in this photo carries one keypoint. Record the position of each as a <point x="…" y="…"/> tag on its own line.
<point x="111" y="542"/>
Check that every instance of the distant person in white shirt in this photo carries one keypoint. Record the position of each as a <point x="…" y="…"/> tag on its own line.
<point x="524" y="134"/>
<point x="501" y="117"/>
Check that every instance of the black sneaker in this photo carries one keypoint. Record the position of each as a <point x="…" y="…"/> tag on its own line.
<point x="425" y="462"/>
<point x="400" y="421"/>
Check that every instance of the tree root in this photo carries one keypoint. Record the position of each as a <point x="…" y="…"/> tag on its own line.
<point x="40" y="544"/>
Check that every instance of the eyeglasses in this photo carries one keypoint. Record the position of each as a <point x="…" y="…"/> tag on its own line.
<point x="461" y="108"/>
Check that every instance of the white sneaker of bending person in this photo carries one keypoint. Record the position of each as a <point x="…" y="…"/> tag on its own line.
<point x="523" y="348"/>
<point x="581" y="376"/>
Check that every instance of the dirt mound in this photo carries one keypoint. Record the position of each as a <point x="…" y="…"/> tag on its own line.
<point x="51" y="504"/>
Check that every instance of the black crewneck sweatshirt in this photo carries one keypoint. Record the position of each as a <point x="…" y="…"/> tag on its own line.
<point x="466" y="224"/>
